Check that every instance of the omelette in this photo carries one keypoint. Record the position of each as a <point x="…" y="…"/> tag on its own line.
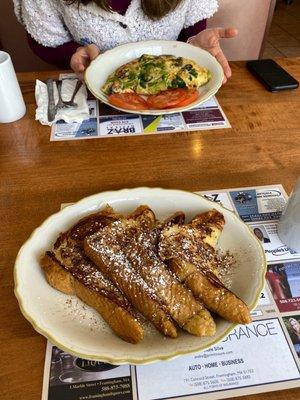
<point x="151" y="74"/>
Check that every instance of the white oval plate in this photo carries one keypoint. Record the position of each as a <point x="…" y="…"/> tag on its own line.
<point x="106" y="63"/>
<point x="78" y="329"/>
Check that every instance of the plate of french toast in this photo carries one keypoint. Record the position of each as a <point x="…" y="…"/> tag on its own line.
<point x="139" y="275"/>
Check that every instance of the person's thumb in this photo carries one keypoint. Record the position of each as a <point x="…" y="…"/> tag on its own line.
<point x="92" y="51"/>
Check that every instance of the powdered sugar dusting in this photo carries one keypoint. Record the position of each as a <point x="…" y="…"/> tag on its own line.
<point x="226" y="264"/>
<point x="186" y="243"/>
<point x="76" y="310"/>
<point x="129" y="269"/>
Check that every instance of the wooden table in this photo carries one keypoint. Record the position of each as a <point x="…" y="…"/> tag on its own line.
<point x="263" y="147"/>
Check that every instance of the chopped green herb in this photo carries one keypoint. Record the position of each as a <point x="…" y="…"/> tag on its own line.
<point x="193" y="72"/>
<point x="178" y="83"/>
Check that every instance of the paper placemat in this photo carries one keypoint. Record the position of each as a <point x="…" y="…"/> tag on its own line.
<point x="259" y="357"/>
<point x="107" y="122"/>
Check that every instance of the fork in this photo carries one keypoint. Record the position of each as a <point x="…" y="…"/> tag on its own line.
<point x="60" y="104"/>
<point x="66" y="104"/>
<point x="71" y="102"/>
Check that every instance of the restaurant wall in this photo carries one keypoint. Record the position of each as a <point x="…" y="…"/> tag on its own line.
<point x="252" y="19"/>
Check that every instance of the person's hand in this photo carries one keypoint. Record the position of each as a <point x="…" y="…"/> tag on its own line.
<point x="82" y="58"/>
<point x="209" y="40"/>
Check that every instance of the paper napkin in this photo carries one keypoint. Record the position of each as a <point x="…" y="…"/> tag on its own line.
<point x="66" y="114"/>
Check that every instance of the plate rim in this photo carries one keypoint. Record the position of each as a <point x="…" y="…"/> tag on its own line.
<point x="208" y="96"/>
<point x="132" y="360"/>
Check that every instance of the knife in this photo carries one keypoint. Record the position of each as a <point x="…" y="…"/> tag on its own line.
<point x="51" y="103"/>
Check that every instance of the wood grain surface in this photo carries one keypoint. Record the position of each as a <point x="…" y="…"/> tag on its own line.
<point x="262" y="148"/>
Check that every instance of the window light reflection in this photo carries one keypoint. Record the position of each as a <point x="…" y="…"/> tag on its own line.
<point x="197" y="147"/>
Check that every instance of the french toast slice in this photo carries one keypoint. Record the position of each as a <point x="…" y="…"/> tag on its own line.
<point x="177" y="218"/>
<point x="120" y="317"/>
<point x="92" y="223"/>
<point x="134" y="236"/>
<point x="210" y="224"/>
<point x="208" y="228"/>
<point x="178" y="300"/>
<point x="191" y="260"/>
<point x="106" y="252"/>
<point x="69" y="270"/>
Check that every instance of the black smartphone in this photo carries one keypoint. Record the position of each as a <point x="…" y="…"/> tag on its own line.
<point x="272" y="75"/>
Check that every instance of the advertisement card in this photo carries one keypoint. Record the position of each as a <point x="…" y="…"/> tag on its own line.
<point x="292" y="324"/>
<point x="284" y="282"/>
<point x="162" y="123"/>
<point x="73" y="378"/>
<point x="206" y="115"/>
<point x="275" y="250"/>
<point x="250" y="355"/>
<point x="86" y="130"/>
<point x="120" y="126"/>
<point x="107" y="122"/>
<point x="255" y="205"/>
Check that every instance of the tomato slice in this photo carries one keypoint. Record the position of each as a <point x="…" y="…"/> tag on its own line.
<point x="192" y="95"/>
<point x="167" y="99"/>
<point x="129" y="101"/>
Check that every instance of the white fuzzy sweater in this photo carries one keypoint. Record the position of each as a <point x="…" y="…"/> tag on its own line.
<point x="53" y="22"/>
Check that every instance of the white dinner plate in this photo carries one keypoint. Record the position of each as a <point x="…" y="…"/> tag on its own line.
<point x="78" y="329"/>
<point x="106" y="63"/>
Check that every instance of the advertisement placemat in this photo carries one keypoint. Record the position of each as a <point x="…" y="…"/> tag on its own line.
<point x="259" y="357"/>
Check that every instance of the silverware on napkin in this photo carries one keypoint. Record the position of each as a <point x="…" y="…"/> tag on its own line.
<point x="70" y="103"/>
<point x="60" y="104"/>
<point x="52" y="107"/>
<point x="51" y="103"/>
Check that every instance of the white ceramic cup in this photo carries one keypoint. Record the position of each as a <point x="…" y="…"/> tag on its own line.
<point x="289" y="223"/>
<point x="12" y="106"/>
